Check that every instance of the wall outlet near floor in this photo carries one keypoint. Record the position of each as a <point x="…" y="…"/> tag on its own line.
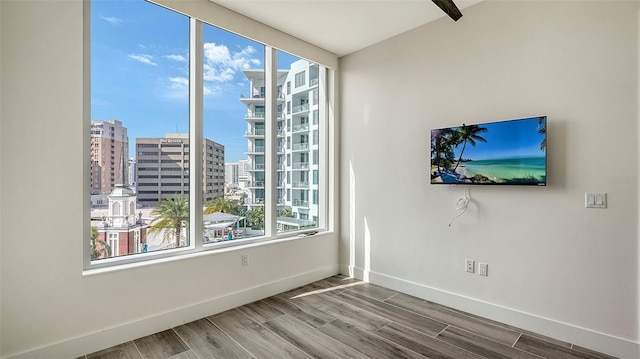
<point x="245" y="260"/>
<point x="483" y="269"/>
<point x="469" y="265"/>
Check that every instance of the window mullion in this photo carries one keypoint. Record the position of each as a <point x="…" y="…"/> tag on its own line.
<point x="271" y="173"/>
<point x="196" y="89"/>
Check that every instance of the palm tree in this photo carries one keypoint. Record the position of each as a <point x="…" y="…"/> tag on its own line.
<point x="172" y="214"/>
<point x="224" y="205"/>
<point x="542" y="129"/>
<point x="256" y="217"/>
<point x="99" y="248"/>
<point x="443" y="142"/>
<point x="469" y="134"/>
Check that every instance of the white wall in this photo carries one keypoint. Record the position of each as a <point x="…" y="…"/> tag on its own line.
<point x="48" y="308"/>
<point x="554" y="267"/>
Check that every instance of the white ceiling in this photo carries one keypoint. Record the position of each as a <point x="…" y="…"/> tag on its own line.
<point x="341" y="26"/>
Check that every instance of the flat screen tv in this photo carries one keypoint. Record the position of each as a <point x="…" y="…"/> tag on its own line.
<point x="510" y="152"/>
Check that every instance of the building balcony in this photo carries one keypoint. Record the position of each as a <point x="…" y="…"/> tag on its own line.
<point x="256" y="184"/>
<point x="300" y="165"/>
<point x="300" y="184"/>
<point x="256" y="167"/>
<point x="254" y="115"/>
<point x="301" y="127"/>
<point x="255" y="149"/>
<point x="301" y="108"/>
<point x="254" y="201"/>
<point x="259" y="97"/>
<point x="300" y="203"/>
<point x="254" y="133"/>
<point x="300" y="146"/>
<point x="313" y="82"/>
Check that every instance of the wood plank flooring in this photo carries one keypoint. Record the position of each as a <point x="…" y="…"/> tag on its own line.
<point x="339" y="317"/>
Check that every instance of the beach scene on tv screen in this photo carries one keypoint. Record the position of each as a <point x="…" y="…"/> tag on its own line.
<point x="505" y="152"/>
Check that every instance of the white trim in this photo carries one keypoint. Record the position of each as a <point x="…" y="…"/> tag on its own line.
<point x="231" y="21"/>
<point x="271" y="141"/>
<point x="584" y="337"/>
<point x="196" y="131"/>
<point x="108" y="337"/>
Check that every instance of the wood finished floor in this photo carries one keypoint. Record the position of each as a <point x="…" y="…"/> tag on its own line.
<point x="339" y="317"/>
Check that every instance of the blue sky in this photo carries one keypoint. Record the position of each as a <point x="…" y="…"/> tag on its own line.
<point x="139" y="73"/>
<point x="506" y="139"/>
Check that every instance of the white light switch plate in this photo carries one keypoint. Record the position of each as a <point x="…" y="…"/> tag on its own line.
<point x="595" y="200"/>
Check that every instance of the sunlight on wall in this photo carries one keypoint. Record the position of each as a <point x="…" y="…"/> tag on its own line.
<point x="367" y="251"/>
<point x="352" y="219"/>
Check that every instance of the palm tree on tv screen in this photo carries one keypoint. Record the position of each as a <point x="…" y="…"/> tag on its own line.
<point x="443" y="143"/>
<point x="171" y="215"/>
<point x="469" y="134"/>
<point x="542" y="129"/>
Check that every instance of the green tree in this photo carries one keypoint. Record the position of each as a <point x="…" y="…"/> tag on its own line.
<point x="255" y="217"/>
<point x="469" y="134"/>
<point x="171" y="215"/>
<point x="224" y="205"/>
<point x="99" y="248"/>
<point x="287" y="212"/>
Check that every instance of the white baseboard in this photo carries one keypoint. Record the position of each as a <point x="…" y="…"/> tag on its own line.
<point x="109" y="337"/>
<point x="605" y="343"/>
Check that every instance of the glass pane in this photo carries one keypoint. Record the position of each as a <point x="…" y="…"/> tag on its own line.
<point x="139" y="128"/>
<point x="298" y="139"/>
<point x="234" y="122"/>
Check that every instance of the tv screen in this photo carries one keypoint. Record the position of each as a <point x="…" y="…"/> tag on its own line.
<point x="510" y="152"/>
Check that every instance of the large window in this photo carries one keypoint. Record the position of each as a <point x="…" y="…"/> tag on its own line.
<point x="195" y="144"/>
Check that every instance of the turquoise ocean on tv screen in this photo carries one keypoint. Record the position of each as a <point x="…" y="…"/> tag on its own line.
<point x="505" y="169"/>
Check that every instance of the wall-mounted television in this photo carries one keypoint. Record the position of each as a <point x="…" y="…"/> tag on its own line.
<point x="512" y="152"/>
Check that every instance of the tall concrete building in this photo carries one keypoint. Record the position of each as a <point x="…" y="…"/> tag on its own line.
<point x="297" y="139"/>
<point x="109" y="155"/>
<point x="231" y="176"/>
<point x="243" y="173"/>
<point x="163" y="168"/>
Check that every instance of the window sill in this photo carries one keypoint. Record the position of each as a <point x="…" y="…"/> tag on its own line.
<point x="178" y="255"/>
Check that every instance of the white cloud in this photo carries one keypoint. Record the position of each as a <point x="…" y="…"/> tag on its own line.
<point x="221" y="65"/>
<point x="178" y="83"/>
<point x="176" y="58"/>
<point x="111" y="20"/>
<point x="145" y="59"/>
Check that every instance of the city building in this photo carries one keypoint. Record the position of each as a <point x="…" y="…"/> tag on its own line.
<point x="243" y="174"/>
<point x="163" y="168"/>
<point x="122" y="230"/>
<point x="132" y="172"/>
<point x="109" y="145"/>
<point x="231" y="176"/>
<point x="297" y="139"/>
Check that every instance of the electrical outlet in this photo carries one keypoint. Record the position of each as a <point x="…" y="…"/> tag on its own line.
<point x="469" y="265"/>
<point x="245" y="260"/>
<point x="483" y="268"/>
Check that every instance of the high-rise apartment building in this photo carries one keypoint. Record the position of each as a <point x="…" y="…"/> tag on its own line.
<point x="231" y="176"/>
<point x="163" y="168"/>
<point x="243" y="173"/>
<point x="297" y="139"/>
<point x="109" y="155"/>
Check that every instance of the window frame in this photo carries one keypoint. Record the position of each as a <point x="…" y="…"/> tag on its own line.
<point x="219" y="17"/>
